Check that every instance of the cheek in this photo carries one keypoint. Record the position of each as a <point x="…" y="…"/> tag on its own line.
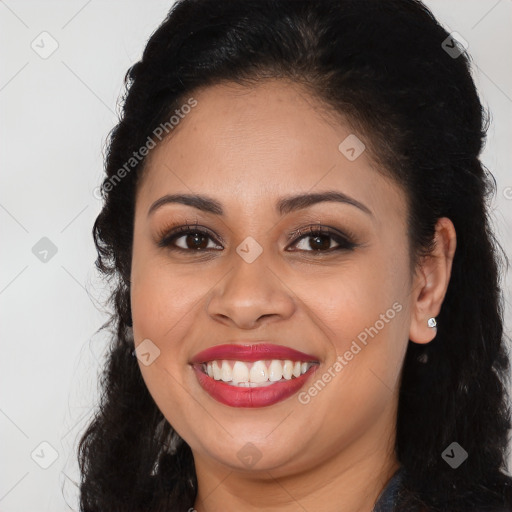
<point x="164" y="309"/>
<point x="362" y="314"/>
<point x="159" y="302"/>
<point x="351" y="298"/>
<point x="163" y="302"/>
<point x="163" y="295"/>
<point x="159" y="299"/>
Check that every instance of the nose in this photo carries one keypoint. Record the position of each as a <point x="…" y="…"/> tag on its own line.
<point x="251" y="294"/>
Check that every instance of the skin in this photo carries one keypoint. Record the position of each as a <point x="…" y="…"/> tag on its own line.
<point x="246" y="148"/>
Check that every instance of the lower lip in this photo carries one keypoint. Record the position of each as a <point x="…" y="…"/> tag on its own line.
<point x="251" y="397"/>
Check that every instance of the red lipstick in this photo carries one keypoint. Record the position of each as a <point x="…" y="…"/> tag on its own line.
<point x="256" y="352"/>
<point x="260" y="396"/>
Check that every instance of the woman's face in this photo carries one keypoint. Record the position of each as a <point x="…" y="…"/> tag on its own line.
<point x="343" y="299"/>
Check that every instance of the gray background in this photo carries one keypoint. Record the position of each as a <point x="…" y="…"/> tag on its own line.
<point x="55" y="114"/>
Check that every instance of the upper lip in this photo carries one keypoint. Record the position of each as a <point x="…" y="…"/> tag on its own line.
<point x="251" y="352"/>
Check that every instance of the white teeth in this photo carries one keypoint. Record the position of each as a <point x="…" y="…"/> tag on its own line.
<point x="275" y="371"/>
<point x="226" y="372"/>
<point x="287" y="369"/>
<point x="259" y="373"/>
<point x="216" y="370"/>
<point x="240" y="372"/>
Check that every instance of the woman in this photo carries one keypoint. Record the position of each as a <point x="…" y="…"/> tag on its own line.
<point x="307" y="307"/>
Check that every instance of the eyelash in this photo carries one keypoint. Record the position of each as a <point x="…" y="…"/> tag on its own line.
<point x="344" y="241"/>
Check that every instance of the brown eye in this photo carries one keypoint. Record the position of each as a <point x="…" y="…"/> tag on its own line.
<point x="191" y="239"/>
<point x="321" y="240"/>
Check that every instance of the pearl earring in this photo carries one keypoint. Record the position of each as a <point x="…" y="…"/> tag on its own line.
<point x="432" y="322"/>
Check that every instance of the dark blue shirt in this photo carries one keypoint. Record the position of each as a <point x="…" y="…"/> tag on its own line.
<point x="387" y="499"/>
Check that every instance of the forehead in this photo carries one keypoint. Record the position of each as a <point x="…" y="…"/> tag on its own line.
<point x="249" y="145"/>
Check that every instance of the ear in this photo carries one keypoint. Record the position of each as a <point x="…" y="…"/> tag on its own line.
<point x="431" y="282"/>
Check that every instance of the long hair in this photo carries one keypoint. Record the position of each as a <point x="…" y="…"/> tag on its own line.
<point x="389" y="68"/>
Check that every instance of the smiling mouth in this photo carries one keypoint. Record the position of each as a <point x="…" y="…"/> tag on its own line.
<point x="254" y="374"/>
<point x="245" y="374"/>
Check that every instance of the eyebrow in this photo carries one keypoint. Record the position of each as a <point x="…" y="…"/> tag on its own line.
<point x="283" y="206"/>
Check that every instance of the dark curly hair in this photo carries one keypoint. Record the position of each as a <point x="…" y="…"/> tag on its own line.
<point x="382" y="65"/>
